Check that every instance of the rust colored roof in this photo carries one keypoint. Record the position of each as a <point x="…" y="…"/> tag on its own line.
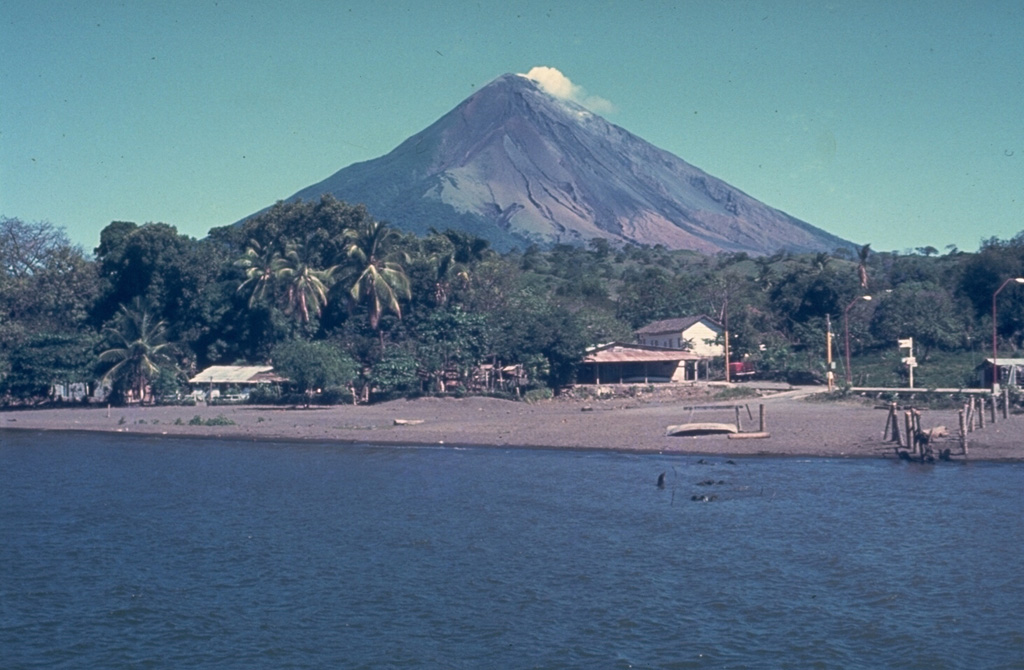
<point x="632" y="353"/>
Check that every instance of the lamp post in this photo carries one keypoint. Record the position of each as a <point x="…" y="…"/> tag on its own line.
<point x="995" y="363"/>
<point x="846" y="333"/>
<point x="725" y="333"/>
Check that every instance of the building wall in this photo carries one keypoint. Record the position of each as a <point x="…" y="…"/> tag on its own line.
<point x="699" y="332"/>
<point x="696" y="333"/>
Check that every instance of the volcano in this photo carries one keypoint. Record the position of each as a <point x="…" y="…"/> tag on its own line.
<point x="518" y="166"/>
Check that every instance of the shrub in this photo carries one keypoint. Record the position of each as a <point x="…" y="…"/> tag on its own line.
<point x="732" y="392"/>
<point x="537" y="395"/>
<point x="336" y="395"/>
<point x="268" y="394"/>
<point x="219" y="420"/>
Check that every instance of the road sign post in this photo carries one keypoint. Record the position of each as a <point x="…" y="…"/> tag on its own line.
<point x="908" y="360"/>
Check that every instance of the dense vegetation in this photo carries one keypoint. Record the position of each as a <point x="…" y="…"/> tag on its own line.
<point x="338" y="300"/>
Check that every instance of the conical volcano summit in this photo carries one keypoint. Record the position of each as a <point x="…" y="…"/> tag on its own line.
<point x="517" y="165"/>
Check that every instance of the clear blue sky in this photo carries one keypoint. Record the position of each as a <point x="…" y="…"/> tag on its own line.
<point x="898" y="123"/>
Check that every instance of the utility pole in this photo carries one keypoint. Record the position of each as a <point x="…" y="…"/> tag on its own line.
<point x="829" y="374"/>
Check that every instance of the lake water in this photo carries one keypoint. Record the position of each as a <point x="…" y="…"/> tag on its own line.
<point x="122" y="552"/>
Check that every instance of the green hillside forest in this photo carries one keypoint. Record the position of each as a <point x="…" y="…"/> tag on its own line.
<point x="357" y="311"/>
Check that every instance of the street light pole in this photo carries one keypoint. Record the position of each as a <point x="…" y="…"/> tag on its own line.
<point x="846" y="333"/>
<point x="995" y="362"/>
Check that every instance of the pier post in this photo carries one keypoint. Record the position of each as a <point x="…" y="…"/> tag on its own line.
<point x="1006" y="402"/>
<point x="963" y="433"/>
<point x="995" y="403"/>
<point x="908" y="423"/>
<point x="762" y="418"/>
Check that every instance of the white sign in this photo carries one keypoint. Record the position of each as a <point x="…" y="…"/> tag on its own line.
<point x="907" y="343"/>
<point x="909" y="360"/>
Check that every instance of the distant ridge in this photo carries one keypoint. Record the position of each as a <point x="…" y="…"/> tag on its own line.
<point x="516" y="165"/>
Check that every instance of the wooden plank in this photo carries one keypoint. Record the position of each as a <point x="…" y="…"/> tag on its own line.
<point x="759" y="435"/>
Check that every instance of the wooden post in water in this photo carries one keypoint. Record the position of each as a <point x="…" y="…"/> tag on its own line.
<point x="761" y="417"/>
<point x="739" y="426"/>
<point x="963" y="433"/>
<point x="908" y="423"/>
<point x="995" y="402"/>
<point x="1006" y="402"/>
<point x="888" y="422"/>
<point x="981" y="413"/>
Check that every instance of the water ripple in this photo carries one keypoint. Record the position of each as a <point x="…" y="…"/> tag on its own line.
<point x="133" y="553"/>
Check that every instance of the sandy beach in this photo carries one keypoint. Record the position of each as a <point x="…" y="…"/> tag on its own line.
<point x="797" y="424"/>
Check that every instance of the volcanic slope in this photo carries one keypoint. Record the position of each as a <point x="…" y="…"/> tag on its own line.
<point x="516" y="165"/>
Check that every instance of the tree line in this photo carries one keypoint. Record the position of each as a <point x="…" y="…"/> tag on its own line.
<point x="342" y="302"/>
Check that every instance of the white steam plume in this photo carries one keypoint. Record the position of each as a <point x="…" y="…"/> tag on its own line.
<point x="558" y="85"/>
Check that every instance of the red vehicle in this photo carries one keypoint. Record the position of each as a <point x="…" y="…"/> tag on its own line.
<point x="741" y="369"/>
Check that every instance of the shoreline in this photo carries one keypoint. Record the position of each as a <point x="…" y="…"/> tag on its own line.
<point x="797" y="427"/>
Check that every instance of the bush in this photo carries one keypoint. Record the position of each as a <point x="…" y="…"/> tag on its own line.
<point x="735" y="392"/>
<point x="336" y="395"/>
<point x="268" y="394"/>
<point x="219" y="420"/>
<point x="537" y="395"/>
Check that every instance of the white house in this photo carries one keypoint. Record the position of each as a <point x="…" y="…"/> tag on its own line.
<point x="693" y="333"/>
<point x="217" y="380"/>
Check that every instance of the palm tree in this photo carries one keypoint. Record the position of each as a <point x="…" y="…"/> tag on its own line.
<point x="468" y="248"/>
<point x="765" y="274"/>
<point x="820" y="262"/>
<point x="446" y="272"/>
<point x="378" y="278"/>
<point x="862" y="265"/>
<point x="261" y="265"/>
<point x="305" y="286"/>
<point x="140" y="349"/>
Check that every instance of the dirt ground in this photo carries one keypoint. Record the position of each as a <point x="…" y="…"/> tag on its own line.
<point x="798" y="425"/>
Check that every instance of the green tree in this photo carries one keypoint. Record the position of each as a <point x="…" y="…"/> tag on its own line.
<point x="261" y="265"/>
<point x="394" y="374"/>
<point x="863" y="253"/>
<point x="47" y="359"/>
<point x="925" y="312"/>
<point x="172" y="273"/>
<point x="450" y="341"/>
<point x="314" y="366"/>
<point x="47" y="290"/>
<point x="305" y="287"/>
<point x="379" y="278"/>
<point x="138" y="351"/>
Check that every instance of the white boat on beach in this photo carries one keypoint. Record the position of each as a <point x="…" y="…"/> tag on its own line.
<point x="685" y="429"/>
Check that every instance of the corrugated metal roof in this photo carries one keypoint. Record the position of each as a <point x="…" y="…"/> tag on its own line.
<point x="636" y="354"/>
<point x="676" y="325"/>
<point x="233" y="374"/>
